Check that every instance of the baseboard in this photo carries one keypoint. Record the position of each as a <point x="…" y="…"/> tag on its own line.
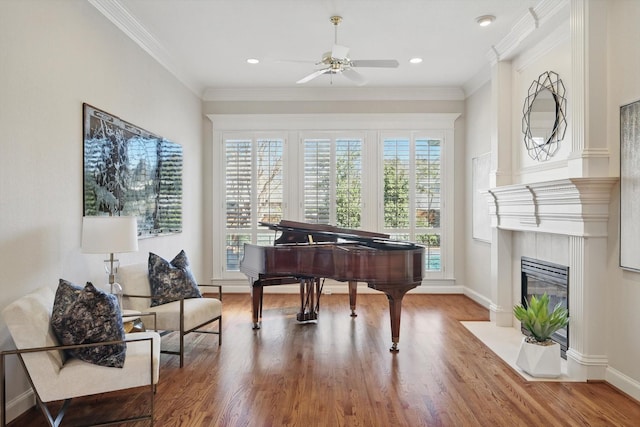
<point x="20" y="404"/>
<point x="479" y="298"/>
<point x="623" y="383"/>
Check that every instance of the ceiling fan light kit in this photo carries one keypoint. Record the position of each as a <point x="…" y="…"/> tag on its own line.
<point x="337" y="61"/>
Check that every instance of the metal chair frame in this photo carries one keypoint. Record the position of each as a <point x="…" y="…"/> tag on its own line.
<point x="195" y="329"/>
<point x="55" y="421"/>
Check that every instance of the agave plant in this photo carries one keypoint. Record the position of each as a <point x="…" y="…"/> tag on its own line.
<point x="537" y="319"/>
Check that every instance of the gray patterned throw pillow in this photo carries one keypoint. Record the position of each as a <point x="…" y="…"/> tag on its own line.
<point x="171" y="281"/>
<point x="89" y="315"/>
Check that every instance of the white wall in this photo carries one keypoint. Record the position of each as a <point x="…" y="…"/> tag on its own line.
<point x="623" y="305"/>
<point x="477" y="254"/>
<point x="55" y="55"/>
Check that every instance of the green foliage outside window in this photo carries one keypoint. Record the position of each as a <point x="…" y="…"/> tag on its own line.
<point x="348" y="188"/>
<point x="396" y="195"/>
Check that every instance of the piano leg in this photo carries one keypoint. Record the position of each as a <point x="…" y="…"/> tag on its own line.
<point x="257" y="293"/>
<point x="394" y="295"/>
<point x="353" y="291"/>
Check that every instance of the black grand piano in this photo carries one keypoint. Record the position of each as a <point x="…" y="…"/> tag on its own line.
<point x="308" y="253"/>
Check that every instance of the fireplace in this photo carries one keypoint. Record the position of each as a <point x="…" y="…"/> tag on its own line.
<point x="540" y="276"/>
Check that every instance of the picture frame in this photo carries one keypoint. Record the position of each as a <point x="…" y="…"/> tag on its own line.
<point x="629" y="178"/>
<point x="131" y="171"/>
<point x="481" y="221"/>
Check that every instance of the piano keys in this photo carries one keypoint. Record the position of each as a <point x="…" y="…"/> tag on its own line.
<point x="309" y="253"/>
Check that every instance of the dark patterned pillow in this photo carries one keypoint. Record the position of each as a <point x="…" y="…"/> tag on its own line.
<point x="171" y="281"/>
<point x="88" y="315"/>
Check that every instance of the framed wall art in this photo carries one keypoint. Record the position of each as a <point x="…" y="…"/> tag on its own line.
<point x="630" y="186"/>
<point x="481" y="221"/>
<point x="130" y="171"/>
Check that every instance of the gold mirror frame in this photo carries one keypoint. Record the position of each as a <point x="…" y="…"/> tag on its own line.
<point x="543" y="116"/>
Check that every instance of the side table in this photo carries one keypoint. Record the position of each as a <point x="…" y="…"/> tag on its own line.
<point x="132" y="321"/>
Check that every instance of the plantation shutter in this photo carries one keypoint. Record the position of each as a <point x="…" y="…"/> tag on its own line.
<point x="317" y="180"/>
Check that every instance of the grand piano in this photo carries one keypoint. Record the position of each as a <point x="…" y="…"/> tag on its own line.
<point x="308" y="253"/>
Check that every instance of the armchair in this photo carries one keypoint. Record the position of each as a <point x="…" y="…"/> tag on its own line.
<point x="183" y="316"/>
<point x="53" y="379"/>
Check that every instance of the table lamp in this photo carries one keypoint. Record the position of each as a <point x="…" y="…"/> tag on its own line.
<point x="110" y="235"/>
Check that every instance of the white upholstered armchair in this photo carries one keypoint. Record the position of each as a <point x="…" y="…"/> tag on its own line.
<point x="54" y="379"/>
<point x="183" y="316"/>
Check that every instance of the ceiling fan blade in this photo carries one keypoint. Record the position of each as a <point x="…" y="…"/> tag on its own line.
<point x="354" y="76"/>
<point x="313" y="75"/>
<point x="339" y="52"/>
<point x="381" y="63"/>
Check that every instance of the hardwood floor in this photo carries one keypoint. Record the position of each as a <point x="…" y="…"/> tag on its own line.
<point x="339" y="372"/>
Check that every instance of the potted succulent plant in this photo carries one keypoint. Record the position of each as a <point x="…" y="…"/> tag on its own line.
<point x="539" y="356"/>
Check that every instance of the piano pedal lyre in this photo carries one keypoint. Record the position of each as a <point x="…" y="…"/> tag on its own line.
<point x="310" y="291"/>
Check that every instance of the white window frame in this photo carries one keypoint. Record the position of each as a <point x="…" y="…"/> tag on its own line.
<point x="292" y="127"/>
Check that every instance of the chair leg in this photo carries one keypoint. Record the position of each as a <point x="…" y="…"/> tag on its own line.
<point x="47" y="414"/>
<point x="181" y="349"/>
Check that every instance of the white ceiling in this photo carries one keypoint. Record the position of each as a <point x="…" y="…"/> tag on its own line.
<point x="205" y="43"/>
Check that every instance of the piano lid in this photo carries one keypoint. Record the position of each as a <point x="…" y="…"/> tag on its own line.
<point x="302" y="232"/>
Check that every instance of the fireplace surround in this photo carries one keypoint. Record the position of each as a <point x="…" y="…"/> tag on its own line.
<point x="567" y="219"/>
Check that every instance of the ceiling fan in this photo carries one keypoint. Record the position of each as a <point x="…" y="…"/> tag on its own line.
<point x="338" y="62"/>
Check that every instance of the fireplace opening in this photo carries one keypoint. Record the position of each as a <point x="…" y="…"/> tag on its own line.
<point x="538" y="277"/>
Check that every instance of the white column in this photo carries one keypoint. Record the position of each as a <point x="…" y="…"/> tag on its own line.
<point x="588" y="92"/>
<point x="500" y="124"/>
<point x="501" y="298"/>
<point x="500" y="309"/>
<point x="586" y="357"/>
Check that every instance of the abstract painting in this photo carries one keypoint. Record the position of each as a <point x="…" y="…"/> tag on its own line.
<point x="130" y="171"/>
<point x="630" y="185"/>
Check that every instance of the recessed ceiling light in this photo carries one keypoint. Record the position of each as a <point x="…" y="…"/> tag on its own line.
<point x="415" y="60"/>
<point x="253" y="61"/>
<point x="485" y="20"/>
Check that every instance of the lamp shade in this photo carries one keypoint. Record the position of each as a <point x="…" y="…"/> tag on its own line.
<point x="109" y="234"/>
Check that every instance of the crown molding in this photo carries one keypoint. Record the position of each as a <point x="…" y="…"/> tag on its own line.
<point x="542" y="17"/>
<point x="334" y="94"/>
<point x="117" y="13"/>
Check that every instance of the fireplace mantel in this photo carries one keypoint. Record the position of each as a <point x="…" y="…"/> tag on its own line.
<point x="573" y="206"/>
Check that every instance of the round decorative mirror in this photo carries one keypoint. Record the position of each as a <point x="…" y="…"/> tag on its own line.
<point x="543" y="116"/>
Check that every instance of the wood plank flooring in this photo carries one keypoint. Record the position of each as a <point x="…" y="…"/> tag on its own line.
<point x="339" y="372"/>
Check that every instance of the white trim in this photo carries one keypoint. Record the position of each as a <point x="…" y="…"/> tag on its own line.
<point x="575" y="206"/>
<point x="342" y="121"/>
<point x="334" y="94"/>
<point x="560" y="35"/>
<point x="117" y="13"/>
<point x="545" y="14"/>
<point x="374" y="124"/>
<point x="477" y="297"/>
<point x="20" y="404"/>
<point x="623" y="382"/>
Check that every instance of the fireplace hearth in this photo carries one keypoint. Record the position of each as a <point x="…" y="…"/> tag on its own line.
<point x="538" y="277"/>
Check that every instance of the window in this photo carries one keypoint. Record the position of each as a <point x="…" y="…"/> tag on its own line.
<point x="332" y="181"/>
<point x="253" y="193"/>
<point x="391" y="181"/>
<point x="411" y="193"/>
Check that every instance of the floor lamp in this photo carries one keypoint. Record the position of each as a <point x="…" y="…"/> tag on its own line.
<point x="110" y="235"/>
